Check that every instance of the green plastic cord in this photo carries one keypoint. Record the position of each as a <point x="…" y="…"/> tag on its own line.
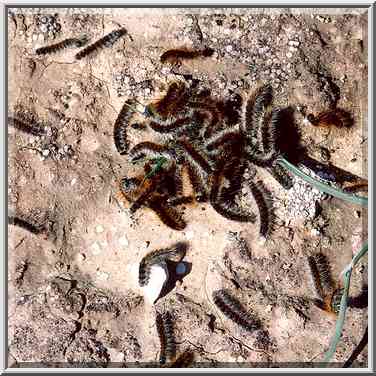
<point x="342" y="311"/>
<point x="354" y="199"/>
<point x="160" y="162"/>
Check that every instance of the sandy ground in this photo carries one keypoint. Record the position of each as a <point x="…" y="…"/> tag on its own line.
<point x="73" y="294"/>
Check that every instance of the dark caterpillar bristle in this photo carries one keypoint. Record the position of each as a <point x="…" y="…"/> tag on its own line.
<point x="66" y="43"/>
<point x="165" y="328"/>
<point x="337" y="117"/>
<point x="321" y="274"/>
<point x="232" y="309"/>
<point x="107" y="41"/>
<point x="33" y="128"/>
<point x="16" y="221"/>
<point x="184" y="360"/>
<point x="176" y="55"/>
<point x="175" y="253"/>
<point x="264" y="202"/>
<point x="282" y="175"/>
<point x="120" y="127"/>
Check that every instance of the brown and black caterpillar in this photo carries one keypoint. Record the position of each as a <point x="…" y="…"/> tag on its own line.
<point x="107" y="41"/>
<point x="337" y="117"/>
<point x="66" y="43"/>
<point x="330" y="295"/>
<point x="175" y="253"/>
<point x="175" y="56"/>
<point x="264" y="203"/>
<point x="232" y="309"/>
<point x="165" y="328"/>
<point x="19" y="222"/>
<point x="34" y="128"/>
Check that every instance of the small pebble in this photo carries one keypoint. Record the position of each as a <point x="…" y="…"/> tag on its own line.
<point x="99" y="229"/>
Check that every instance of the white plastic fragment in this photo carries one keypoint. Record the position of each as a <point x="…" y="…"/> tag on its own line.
<point x="158" y="277"/>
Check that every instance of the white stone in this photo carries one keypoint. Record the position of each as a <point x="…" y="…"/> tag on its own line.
<point x="45" y="152"/>
<point x="158" y="277"/>
<point x="289" y="55"/>
<point x="123" y="241"/>
<point x="96" y="249"/>
<point x="73" y="182"/>
<point x="99" y="229"/>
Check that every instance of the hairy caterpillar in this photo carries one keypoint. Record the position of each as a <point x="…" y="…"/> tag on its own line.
<point x="35" y="229"/>
<point x="321" y="274"/>
<point x="174" y="56"/>
<point x="167" y="214"/>
<point x="66" y="43"/>
<point x="107" y="41"/>
<point x="337" y="118"/>
<point x="256" y="107"/>
<point x="198" y="167"/>
<point x="34" y="128"/>
<point x="166" y="335"/>
<point x="264" y="203"/>
<point x="225" y="184"/>
<point x="232" y="309"/>
<point x="121" y="125"/>
<point x="174" y="253"/>
<point x="150" y="150"/>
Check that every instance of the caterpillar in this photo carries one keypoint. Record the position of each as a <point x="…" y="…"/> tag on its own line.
<point x="270" y="131"/>
<point x="34" y="128"/>
<point x="167" y="214"/>
<point x="184" y="360"/>
<point x="107" y="41"/>
<point x="174" y="56"/>
<point x="170" y="125"/>
<point x="166" y="335"/>
<point x="226" y="182"/>
<point x="264" y="203"/>
<point x="320" y="271"/>
<point x="256" y="107"/>
<point x="198" y="168"/>
<point x="120" y="127"/>
<point x="337" y="117"/>
<point x="222" y="138"/>
<point x="170" y="108"/>
<point x="281" y="175"/>
<point x="174" y="253"/>
<point x="66" y="43"/>
<point x="150" y="150"/>
<point x="232" y="309"/>
<point x="34" y="229"/>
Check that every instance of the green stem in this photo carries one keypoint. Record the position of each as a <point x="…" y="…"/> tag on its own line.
<point x="363" y="201"/>
<point x="342" y="312"/>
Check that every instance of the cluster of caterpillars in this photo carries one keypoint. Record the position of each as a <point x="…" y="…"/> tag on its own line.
<point x="200" y="142"/>
<point x="328" y="291"/>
